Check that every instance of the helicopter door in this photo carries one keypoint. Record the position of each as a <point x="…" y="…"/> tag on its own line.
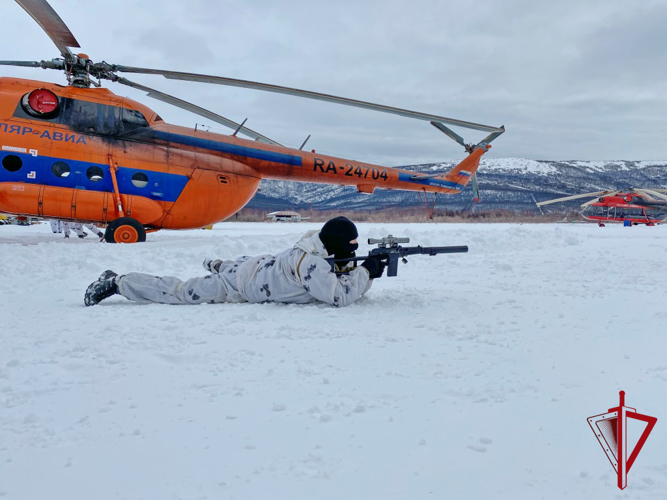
<point x="611" y="212"/>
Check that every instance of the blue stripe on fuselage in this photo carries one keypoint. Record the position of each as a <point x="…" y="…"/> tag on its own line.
<point x="430" y="181"/>
<point x="224" y="147"/>
<point x="161" y="186"/>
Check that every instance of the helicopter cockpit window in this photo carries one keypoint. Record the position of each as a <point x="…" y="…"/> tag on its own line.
<point x="92" y="118"/>
<point x="133" y="120"/>
<point x="81" y="114"/>
<point x="595" y="210"/>
<point x="95" y="118"/>
<point x="95" y="173"/>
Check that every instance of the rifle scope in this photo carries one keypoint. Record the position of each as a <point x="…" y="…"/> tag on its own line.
<point x="389" y="240"/>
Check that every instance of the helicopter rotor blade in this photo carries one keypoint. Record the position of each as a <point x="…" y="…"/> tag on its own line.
<point x="27" y="64"/>
<point x="53" y="64"/>
<point x="219" y="80"/>
<point x="574" y="197"/>
<point x="50" y="22"/>
<point x="655" y="194"/>
<point x="174" y="101"/>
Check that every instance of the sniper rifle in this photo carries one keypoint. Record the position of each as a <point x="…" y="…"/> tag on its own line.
<point x="390" y="252"/>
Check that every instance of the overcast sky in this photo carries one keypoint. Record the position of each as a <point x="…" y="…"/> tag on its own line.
<point x="581" y="79"/>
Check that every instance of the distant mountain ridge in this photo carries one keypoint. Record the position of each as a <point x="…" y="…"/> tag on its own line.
<point x="505" y="183"/>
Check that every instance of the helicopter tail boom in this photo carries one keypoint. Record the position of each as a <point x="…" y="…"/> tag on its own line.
<point x="366" y="177"/>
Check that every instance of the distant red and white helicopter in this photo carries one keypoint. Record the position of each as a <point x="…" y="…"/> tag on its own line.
<point x="633" y="207"/>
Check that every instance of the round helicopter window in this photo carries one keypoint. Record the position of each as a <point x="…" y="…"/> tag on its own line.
<point x="12" y="163"/>
<point x="95" y="173"/>
<point x="41" y="103"/>
<point x="139" y="179"/>
<point x="60" y="169"/>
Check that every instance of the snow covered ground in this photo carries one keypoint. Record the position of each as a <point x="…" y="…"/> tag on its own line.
<point x="467" y="376"/>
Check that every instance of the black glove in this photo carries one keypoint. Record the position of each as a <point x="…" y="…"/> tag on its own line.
<point x="374" y="265"/>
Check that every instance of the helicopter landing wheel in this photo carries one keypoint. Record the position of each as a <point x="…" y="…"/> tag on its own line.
<point x="125" y="230"/>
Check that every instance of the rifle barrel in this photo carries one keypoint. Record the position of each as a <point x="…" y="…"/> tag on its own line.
<point x="394" y="253"/>
<point x="434" y="250"/>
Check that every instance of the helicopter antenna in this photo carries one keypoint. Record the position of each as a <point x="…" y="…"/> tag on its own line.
<point x="304" y="142"/>
<point x="239" y="128"/>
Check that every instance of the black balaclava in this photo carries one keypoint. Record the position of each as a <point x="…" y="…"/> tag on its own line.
<point x="336" y="235"/>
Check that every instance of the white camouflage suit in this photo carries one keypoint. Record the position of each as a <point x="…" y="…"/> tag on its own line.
<point x="299" y="275"/>
<point x="77" y="227"/>
<point x="56" y="225"/>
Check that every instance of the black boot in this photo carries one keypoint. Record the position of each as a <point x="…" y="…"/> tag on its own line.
<point x="103" y="288"/>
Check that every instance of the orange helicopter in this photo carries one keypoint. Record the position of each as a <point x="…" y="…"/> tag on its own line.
<point x="81" y="153"/>
<point x="633" y="207"/>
